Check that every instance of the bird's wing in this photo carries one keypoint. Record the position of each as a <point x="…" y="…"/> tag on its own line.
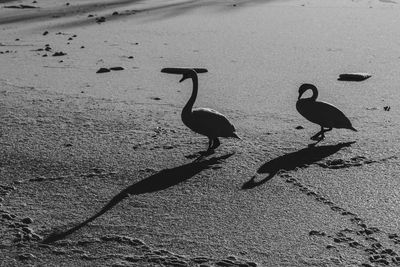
<point x="210" y="122"/>
<point x="324" y="114"/>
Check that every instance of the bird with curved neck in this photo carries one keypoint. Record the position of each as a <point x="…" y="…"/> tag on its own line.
<point x="324" y="114"/>
<point x="204" y="121"/>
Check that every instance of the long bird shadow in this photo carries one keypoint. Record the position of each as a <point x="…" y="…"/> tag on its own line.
<point x="294" y="160"/>
<point x="156" y="182"/>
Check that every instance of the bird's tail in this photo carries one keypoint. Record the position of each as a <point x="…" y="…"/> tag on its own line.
<point x="234" y="135"/>
<point x="353" y="129"/>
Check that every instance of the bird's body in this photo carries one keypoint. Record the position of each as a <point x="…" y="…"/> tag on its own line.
<point x="209" y="122"/>
<point x="324" y="114"/>
<point x="204" y="121"/>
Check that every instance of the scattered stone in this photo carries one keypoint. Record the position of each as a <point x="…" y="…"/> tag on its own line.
<point x="45" y="33"/>
<point x="59" y="54"/>
<point x="386" y="108"/>
<point x="82" y="47"/>
<point x="130" y="57"/>
<point x="21" y="6"/>
<point x="116" y="68"/>
<point x="101" y="20"/>
<point x="155" y="98"/>
<point x="103" y="70"/>
<point x="115" y="13"/>
<point x="356" y="76"/>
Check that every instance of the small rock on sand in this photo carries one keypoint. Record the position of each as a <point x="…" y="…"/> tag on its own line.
<point x="103" y="70"/>
<point x="117" y="68"/>
<point x="21" y="6"/>
<point x="356" y="76"/>
<point x="59" y="54"/>
<point x="101" y="19"/>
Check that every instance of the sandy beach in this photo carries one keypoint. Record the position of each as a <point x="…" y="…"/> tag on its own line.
<point x="97" y="169"/>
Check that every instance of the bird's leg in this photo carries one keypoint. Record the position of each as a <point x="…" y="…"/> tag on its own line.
<point x="210" y="143"/>
<point x="323" y="131"/>
<point x="317" y="137"/>
<point x="216" y="143"/>
<point x="210" y="149"/>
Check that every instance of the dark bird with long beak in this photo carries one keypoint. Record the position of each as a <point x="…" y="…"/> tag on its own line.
<point x="204" y="121"/>
<point x="324" y="114"/>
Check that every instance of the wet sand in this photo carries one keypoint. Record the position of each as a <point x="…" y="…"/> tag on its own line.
<point x="97" y="169"/>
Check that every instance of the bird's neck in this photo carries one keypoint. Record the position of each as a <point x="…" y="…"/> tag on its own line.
<point x="187" y="110"/>
<point x="314" y="94"/>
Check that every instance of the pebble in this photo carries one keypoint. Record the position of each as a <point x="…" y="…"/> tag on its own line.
<point x="100" y="20"/>
<point x="357" y="76"/>
<point x="103" y="70"/>
<point x="58" y="54"/>
<point x="116" y="68"/>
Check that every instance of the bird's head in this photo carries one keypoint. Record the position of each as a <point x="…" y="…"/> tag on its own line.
<point x="304" y="87"/>
<point x="186" y="72"/>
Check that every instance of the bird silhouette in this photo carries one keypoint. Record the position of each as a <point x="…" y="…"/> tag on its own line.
<point x="204" y="121"/>
<point x="324" y="114"/>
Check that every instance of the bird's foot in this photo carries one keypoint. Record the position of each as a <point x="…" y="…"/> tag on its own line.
<point x="316" y="137"/>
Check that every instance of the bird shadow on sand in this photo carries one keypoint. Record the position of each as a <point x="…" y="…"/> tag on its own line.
<point x="291" y="161"/>
<point x="156" y="182"/>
